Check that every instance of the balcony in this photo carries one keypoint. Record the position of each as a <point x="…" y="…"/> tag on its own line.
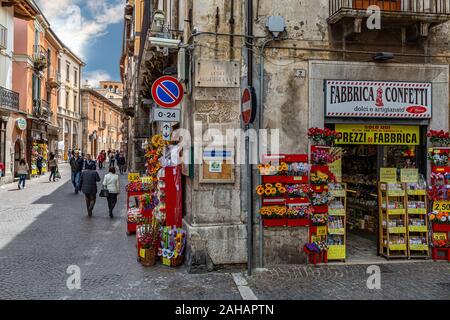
<point x="9" y="99"/>
<point x="39" y="58"/>
<point x="41" y="109"/>
<point x="400" y="13"/>
<point x="102" y="125"/>
<point x="53" y="79"/>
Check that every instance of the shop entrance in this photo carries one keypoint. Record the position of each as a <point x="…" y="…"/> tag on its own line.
<point x="360" y="165"/>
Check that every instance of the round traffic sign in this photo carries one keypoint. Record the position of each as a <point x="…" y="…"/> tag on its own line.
<point x="248" y="105"/>
<point x="167" y="92"/>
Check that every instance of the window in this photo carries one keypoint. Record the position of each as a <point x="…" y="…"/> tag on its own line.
<point x="67" y="100"/>
<point x="75" y="102"/>
<point x="3" y="37"/>
<point x="75" y="75"/>
<point x="95" y="112"/>
<point x="68" y="72"/>
<point x="36" y="89"/>
<point x="58" y="97"/>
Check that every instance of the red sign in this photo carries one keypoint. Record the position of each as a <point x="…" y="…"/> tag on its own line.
<point x="167" y="92"/>
<point x="248" y="106"/>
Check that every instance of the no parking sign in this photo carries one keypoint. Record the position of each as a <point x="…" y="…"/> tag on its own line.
<point x="167" y="92"/>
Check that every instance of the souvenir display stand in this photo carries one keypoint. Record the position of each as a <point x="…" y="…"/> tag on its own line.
<point x="285" y="191"/>
<point x="337" y="221"/>
<point x="170" y="197"/>
<point x="417" y="204"/>
<point x="134" y="216"/>
<point x="393" y="220"/>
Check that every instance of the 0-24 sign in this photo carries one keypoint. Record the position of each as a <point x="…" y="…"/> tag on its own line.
<point x="166" y="115"/>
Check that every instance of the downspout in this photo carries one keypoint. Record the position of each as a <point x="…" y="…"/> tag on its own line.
<point x="261" y="122"/>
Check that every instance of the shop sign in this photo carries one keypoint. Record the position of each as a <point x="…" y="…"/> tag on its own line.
<point x="134" y="177"/>
<point x="441" y="206"/>
<point x="378" y="99"/>
<point x="215" y="166"/>
<point x="409" y="175"/>
<point x="21" y="124"/>
<point x="388" y="175"/>
<point x="378" y="134"/>
<point x="217" y="74"/>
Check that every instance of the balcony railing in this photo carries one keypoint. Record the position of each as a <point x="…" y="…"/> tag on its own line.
<point x="9" y="99"/>
<point x="41" y="109"/>
<point x="438" y="7"/>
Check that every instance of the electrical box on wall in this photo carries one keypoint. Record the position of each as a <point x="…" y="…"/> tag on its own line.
<point x="183" y="73"/>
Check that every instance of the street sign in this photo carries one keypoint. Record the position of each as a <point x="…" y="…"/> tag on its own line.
<point x="248" y="105"/>
<point x="167" y="131"/>
<point x="167" y="92"/>
<point x="166" y="115"/>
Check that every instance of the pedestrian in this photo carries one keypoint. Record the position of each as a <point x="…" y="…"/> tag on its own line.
<point x="112" y="160"/>
<point x="89" y="163"/>
<point x="69" y="154"/>
<point x="121" y="162"/>
<point x="76" y="165"/>
<point x="111" y="182"/>
<point x="100" y="160"/>
<point x="88" y="185"/>
<point x="22" y="172"/>
<point x="39" y="160"/>
<point x="53" y="167"/>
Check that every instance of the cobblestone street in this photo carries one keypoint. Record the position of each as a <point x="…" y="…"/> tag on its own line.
<point x="44" y="229"/>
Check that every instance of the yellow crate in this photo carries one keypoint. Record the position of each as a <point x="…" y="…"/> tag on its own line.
<point x="418" y="229"/>
<point x="340" y="231"/>
<point x="417" y="192"/>
<point x="396" y="193"/>
<point x="336" y="252"/>
<point x="418" y="247"/>
<point x="396" y="211"/>
<point x="397" y="247"/>
<point x="336" y="212"/>
<point x="397" y="230"/>
<point x="417" y="211"/>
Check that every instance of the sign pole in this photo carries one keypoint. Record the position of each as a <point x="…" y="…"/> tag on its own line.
<point x="249" y="204"/>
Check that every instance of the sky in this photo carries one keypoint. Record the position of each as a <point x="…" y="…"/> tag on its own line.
<point x="92" y="29"/>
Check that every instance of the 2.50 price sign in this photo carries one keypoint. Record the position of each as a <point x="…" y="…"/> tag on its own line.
<point x="441" y="206"/>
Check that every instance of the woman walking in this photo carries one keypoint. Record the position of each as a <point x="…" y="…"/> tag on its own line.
<point x="111" y="182"/>
<point x="22" y="171"/>
<point x="53" y="166"/>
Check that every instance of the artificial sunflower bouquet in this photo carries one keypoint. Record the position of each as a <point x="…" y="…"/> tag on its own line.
<point x="320" y="178"/>
<point x="270" y="190"/>
<point x="269" y="169"/>
<point x="273" y="212"/>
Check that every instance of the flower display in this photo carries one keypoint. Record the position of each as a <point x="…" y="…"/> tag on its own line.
<point x="299" y="190"/>
<point x="299" y="211"/>
<point x="173" y="242"/>
<point x="270" y="190"/>
<point x="319" y="178"/>
<point x="441" y="243"/>
<point x="439" y="138"/>
<point x="324" y="157"/>
<point x="439" y="158"/>
<point x="323" y="136"/>
<point x="149" y="201"/>
<point x="439" y="217"/>
<point x="319" y="219"/>
<point x="268" y="169"/>
<point x="273" y="211"/>
<point x="321" y="199"/>
<point x="149" y="235"/>
<point x="153" y="153"/>
<point x="139" y="187"/>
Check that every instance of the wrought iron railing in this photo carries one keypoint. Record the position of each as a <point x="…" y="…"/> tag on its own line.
<point x="41" y="109"/>
<point x="9" y="99"/>
<point x="410" y="6"/>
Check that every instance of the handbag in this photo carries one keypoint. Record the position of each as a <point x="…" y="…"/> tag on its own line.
<point x="104" y="193"/>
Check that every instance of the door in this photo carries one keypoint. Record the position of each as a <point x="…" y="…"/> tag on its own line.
<point x="17" y="154"/>
<point x="385" y="5"/>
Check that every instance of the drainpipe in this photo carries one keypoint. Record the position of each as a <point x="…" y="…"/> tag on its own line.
<point x="261" y="121"/>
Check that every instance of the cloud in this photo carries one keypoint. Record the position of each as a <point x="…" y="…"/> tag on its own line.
<point x="76" y="27"/>
<point x="93" y="78"/>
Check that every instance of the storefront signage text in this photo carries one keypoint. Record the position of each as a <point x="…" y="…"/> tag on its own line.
<point x="21" y="124"/>
<point x="376" y="99"/>
<point x="378" y="134"/>
<point x="409" y="175"/>
<point x="388" y="175"/>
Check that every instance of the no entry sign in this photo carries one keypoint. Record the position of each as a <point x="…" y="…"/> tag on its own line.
<point x="167" y="92"/>
<point x="248" y="105"/>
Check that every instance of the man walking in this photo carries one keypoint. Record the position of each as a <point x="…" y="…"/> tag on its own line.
<point x="88" y="185"/>
<point x="121" y="162"/>
<point x="76" y="165"/>
<point x="89" y="163"/>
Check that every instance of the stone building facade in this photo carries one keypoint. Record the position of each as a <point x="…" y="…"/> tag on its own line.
<point x="234" y="44"/>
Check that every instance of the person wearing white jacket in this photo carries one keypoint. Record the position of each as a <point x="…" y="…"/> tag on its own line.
<point x="111" y="182"/>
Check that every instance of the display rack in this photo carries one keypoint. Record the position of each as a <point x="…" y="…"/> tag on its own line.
<point x="291" y="177"/>
<point x="417" y="204"/>
<point x="170" y="196"/>
<point x="393" y="220"/>
<point x="337" y="221"/>
<point x="132" y="222"/>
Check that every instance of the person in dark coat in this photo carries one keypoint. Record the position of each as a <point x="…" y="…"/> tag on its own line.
<point x="76" y="165"/>
<point x="88" y="185"/>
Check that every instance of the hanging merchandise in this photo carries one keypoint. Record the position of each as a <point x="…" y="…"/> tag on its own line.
<point x="172" y="246"/>
<point x="39" y="149"/>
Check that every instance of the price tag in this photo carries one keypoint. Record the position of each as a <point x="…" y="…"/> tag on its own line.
<point x="146" y="180"/>
<point x="134" y="177"/>
<point x="321" y="231"/>
<point x="142" y="253"/>
<point x="439" y="236"/>
<point x="441" y="206"/>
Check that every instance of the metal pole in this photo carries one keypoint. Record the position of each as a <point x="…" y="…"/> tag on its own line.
<point x="249" y="204"/>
